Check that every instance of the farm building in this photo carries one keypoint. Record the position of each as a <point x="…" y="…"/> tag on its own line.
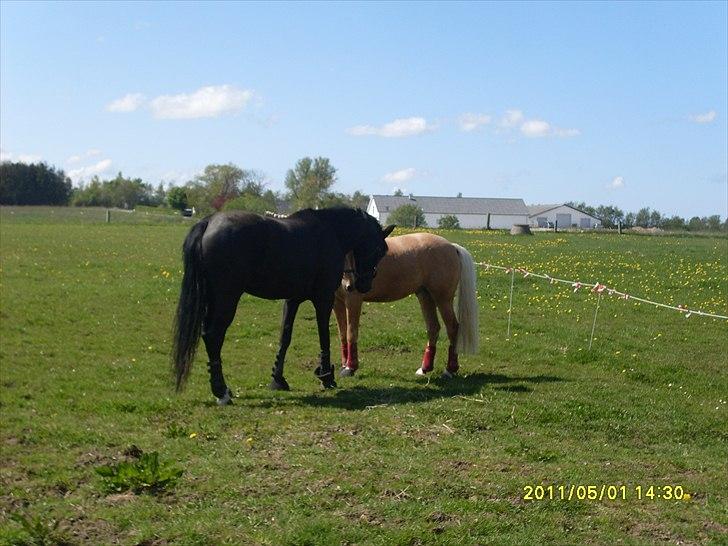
<point x="471" y="212"/>
<point x="566" y="216"/>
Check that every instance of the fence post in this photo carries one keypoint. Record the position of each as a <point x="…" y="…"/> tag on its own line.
<point x="556" y="226"/>
<point x="594" y="324"/>
<point x="108" y="216"/>
<point x="510" y="303"/>
<point x="619" y="226"/>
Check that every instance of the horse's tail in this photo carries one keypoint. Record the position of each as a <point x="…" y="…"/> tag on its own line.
<point x="467" y="342"/>
<point x="191" y="307"/>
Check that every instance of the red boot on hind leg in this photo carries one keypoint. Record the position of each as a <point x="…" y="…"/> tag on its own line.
<point x="452" y="363"/>
<point x="428" y="360"/>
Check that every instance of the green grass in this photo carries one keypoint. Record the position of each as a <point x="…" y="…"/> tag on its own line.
<point x="387" y="458"/>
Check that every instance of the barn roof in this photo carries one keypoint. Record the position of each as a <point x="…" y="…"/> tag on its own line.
<point x="535" y="210"/>
<point x="453" y="205"/>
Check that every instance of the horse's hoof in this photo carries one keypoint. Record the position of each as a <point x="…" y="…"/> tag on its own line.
<point x="225" y="400"/>
<point x="329" y="384"/>
<point x="447" y="375"/>
<point x="421" y="371"/>
<point x="279" y="384"/>
<point x="347" y="372"/>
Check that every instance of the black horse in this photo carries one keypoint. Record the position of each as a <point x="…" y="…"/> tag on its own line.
<point x="297" y="258"/>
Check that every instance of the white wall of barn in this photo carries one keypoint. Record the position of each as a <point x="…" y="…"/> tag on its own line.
<point x="467" y="221"/>
<point x="577" y="218"/>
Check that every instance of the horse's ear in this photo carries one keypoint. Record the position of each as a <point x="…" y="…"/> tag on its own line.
<point x="389" y="229"/>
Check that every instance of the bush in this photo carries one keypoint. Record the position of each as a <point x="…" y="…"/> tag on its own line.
<point x="449" y="221"/>
<point x="407" y="216"/>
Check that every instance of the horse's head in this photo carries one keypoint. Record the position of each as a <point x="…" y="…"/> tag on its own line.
<point x="370" y="248"/>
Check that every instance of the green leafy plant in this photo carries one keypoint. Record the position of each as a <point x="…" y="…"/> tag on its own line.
<point x="42" y="532"/>
<point x="145" y="475"/>
<point x="449" y="221"/>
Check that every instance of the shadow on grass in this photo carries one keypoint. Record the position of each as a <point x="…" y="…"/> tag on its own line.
<point x="360" y="397"/>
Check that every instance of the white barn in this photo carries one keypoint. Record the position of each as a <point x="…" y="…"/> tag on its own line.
<point x="566" y="216"/>
<point x="472" y="212"/>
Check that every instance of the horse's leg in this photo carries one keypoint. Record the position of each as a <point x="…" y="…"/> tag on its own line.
<point x="219" y="316"/>
<point x="429" y="312"/>
<point x="324" y="371"/>
<point x="290" y="307"/>
<point x="353" y="313"/>
<point x="451" y="325"/>
<point x="340" y="312"/>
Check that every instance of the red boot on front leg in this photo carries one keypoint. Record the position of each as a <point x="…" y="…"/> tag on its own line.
<point x="352" y="361"/>
<point x="452" y="363"/>
<point x="428" y="360"/>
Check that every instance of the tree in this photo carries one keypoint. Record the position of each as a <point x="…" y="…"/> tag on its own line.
<point x="251" y="201"/>
<point x="642" y="218"/>
<point x="177" y="198"/>
<point x="713" y="222"/>
<point x="696" y="224"/>
<point x="160" y="196"/>
<point x="449" y="221"/>
<point x="655" y="219"/>
<point x="119" y="192"/>
<point x="33" y="184"/>
<point x="359" y="200"/>
<point x="407" y="216"/>
<point x="219" y="184"/>
<point x="309" y="181"/>
<point x="673" y="223"/>
<point x="398" y="193"/>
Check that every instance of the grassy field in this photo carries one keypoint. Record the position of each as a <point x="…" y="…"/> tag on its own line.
<point x="387" y="458"/>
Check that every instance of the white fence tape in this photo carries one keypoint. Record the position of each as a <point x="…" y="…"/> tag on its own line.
<point x="597" y="288"/>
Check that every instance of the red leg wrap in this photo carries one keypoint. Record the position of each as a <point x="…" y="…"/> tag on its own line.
<point x="452" y="360"/>
<point x="428" y="359"/>
<point x="344" y="354"/>
<point x="352" y="362"/>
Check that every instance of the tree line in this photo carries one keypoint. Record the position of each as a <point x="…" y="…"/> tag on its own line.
<point x="219" y="187"/>
<point x="611" y="216"/>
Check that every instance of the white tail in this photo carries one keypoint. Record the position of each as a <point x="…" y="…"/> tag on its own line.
<point x="467" y="305"/>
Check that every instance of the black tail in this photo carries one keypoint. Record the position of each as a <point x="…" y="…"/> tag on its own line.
<point x="191" y="307"/>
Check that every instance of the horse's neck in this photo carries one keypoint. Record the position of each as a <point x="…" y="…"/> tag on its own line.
<point x="344" y="223"/>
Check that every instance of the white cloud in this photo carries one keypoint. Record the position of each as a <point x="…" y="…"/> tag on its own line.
<point x="207" y="102"/>
<point x="707" y="117"/>
<point x="19" y="158"/>
<point x="128" y="103"/>
<point x="398" y="128"/>
<point x="403" y="175"/>
<point x="77" y="158"/>
<point x="471" y="122"/>
<point x="617" y="183"/>
<point x="511" y="118"/>
<point x="534" y="128"/>
<point x="566" y="133"/>
<point x="82" y="173"/>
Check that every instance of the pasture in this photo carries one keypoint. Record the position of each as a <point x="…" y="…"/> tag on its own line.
<point x="388" y="457"/>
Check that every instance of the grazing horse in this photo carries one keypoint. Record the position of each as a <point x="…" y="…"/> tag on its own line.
<point x="297" y="258"/>
<point x="430" y="267"/>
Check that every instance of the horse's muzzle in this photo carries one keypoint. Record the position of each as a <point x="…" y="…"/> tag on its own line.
<point x="363" y="285"/>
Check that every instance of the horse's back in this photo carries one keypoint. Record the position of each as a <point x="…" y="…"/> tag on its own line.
<point x="415" y="261"/>
<point x="266" y="257"/>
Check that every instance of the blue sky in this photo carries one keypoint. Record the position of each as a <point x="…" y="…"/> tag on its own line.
<point x="622" y="103"/>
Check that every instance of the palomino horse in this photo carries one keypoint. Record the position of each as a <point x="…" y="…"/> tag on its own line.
<point x="430" y="267"/>
<point x="297" y="258"/>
